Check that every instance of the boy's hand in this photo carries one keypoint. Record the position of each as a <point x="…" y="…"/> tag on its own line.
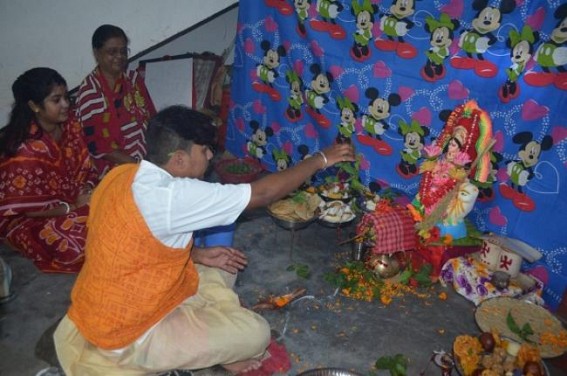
<point x="226" y="258"/>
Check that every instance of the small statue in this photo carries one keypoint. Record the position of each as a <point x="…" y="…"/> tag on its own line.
<point x="454" y="162"/>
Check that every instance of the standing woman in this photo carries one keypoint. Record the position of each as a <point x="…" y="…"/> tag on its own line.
<point x="46" y="175"/>
<point x="113" y="106"/>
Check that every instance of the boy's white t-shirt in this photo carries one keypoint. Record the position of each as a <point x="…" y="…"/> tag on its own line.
<point x="175" y="207"/>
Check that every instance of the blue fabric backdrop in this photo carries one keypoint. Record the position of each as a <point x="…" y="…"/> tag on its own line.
<point x="302" y="67"/>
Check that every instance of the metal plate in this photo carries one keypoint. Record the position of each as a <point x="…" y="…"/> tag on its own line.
<point x="491" y="315"/>
<point x="324" y="223"/>
<point x="291" y="225"/>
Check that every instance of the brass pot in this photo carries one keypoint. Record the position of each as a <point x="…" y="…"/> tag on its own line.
<point x="385" y="266"/>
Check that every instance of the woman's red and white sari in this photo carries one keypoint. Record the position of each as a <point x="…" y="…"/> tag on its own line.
<point x="114" y="118"/>
<point x="41" y="175"/>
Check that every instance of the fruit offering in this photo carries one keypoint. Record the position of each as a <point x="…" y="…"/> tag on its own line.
<point x="490" y="355"/>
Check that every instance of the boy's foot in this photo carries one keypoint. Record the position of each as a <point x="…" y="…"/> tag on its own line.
<point x="244" y="366"/>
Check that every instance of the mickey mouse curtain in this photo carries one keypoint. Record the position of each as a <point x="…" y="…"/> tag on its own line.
<point x="385" y="74"/>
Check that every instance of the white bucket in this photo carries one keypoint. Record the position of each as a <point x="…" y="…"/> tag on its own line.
<point x="490" y="255"/>
<point x="510" y="263"/>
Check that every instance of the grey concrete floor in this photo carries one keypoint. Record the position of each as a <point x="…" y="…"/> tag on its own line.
<point x="322" y="329"/>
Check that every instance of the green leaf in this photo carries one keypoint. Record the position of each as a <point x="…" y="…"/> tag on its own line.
<point x="512" y="324"/>
<point x="527" y="329"/>
<point x="524" y="332"/>
<point x="405" y="276"/>
<point x="302" y="271"/>
<point x="397" y="365"/>
<point x="384" y="362"/>
<point x="400" y="369"/>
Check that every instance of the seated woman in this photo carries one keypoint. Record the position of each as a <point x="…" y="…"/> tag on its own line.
<point x="457" y="161"/>
<point x="113" y="106"/>
<point x="46" y="175"/>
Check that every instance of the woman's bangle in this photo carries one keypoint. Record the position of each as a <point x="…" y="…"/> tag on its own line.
<point x="66" y="205"/>
<point x="325" y="161"/>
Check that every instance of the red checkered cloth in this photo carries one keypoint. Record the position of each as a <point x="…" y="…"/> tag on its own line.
<point x="394" y="230"/>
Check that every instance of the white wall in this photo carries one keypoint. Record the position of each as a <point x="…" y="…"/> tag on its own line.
<point x="57" y="33"/>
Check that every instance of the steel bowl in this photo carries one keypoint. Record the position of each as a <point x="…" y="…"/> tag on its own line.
<point x="346" y="199"/>
<point x="329" y="372"/>
<point x="328" y="224"/>
<point x="291" y="225"/>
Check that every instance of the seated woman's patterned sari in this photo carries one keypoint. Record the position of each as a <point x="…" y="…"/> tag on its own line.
<point x="41" y="175"/>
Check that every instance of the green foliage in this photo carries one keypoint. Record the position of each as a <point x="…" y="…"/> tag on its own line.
<point x="421" y="277"/>
<point x="299" y="197"/>
<point x="238" y="168"/>
<point x="397" y="364"/>
<point x="348" y="172"/>
<point x="524" y="332"/>
<point x="301" y="270"/>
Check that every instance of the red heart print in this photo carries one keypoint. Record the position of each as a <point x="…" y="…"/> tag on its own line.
<point x="457" y="90"/>
<point x="336" y="70"/>
<point x="258" y="107"/>
<point x="558" y="134"/>
<point x="405" y="92"/>
<point x="276" y="127"/>
<point x="310" y="131"/>
<point x="317" y="50"/>
<point x="352" y="93"/>
<point x="499" y="145"/>
<point x="497" y="218"/>
<point x="454" y="9"/>
<point x="381" y="70"/>
<point x="531" y="110"/>
<point x="298" y="67"/>
<point x="270" y="25"/>
<point x="423" y="116"/>
<point x="535" y="21"/>
<point x="249" y="46"/>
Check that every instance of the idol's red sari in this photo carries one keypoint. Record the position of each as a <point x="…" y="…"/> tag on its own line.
<point x="41" y="175"/>
<point x="114" y="118"/>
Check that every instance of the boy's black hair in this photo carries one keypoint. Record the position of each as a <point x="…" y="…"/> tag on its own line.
<point x="177" y="128"/>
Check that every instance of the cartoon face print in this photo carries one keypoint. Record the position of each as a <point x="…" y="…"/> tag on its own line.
<point x="413" y="141"/>
<point x="256" y="146"/>
<point x="348" y="116"/>
<point x="530" y="153"/>
<point x="364" y="20"/>
<point x="267" y="70"/>
<point x="321" y="84"/>
<point x="379" y="108"/>
<point x="521" y="172"/>
<point x="559" y="34"/>
<point x="521" y="52"/>
<point x="271" y="59"/>
<point x="348" y="112"/>
<point x="402" y="8"/>
<point x="441" y="37"/>
<point x="487" y="20"/>
<point x="549" y="54"/>
<point x="260" y="136"/>
<point x="282" y="159"/>
<point x="301" y="5"/>
<point x="295" y="88"/>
